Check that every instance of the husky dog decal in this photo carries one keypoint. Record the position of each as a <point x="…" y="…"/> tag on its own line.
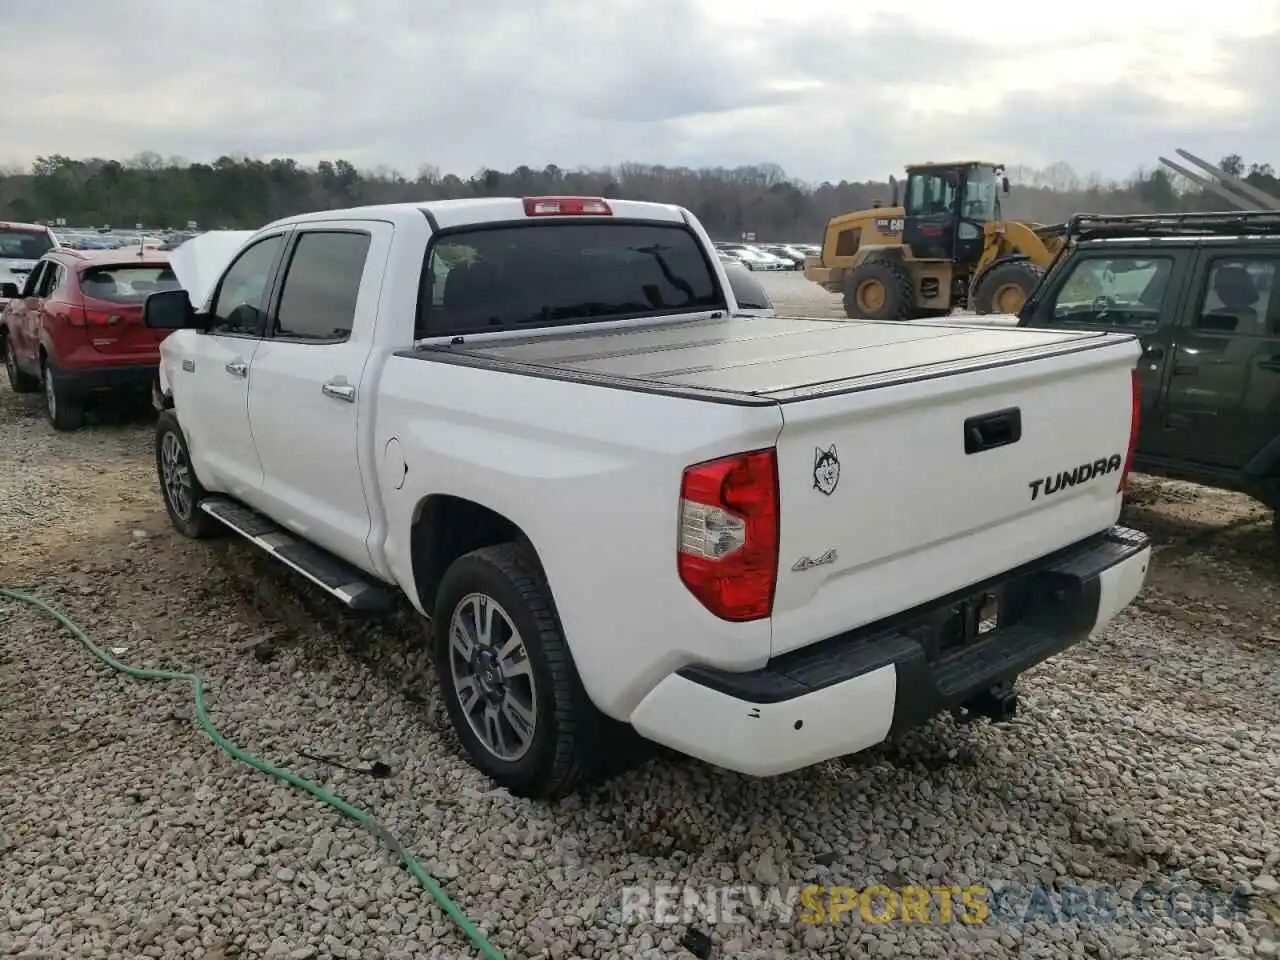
<point x="826" y="469"/>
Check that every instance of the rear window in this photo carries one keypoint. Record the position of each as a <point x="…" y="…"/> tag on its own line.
<point x="126" y="283"/>
<point x="24" y="244"/>
<point x="547" y="274"/>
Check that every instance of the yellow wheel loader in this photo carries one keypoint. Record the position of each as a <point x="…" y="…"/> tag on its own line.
<point x="944" y="247"/>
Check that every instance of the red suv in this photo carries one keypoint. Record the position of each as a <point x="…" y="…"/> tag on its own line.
<point x="76" y="329"/>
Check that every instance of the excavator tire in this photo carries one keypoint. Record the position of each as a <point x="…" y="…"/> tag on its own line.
<point x="879" y="290"/>
<point x="1005" y="287"/>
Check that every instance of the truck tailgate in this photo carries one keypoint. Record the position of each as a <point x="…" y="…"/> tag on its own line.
<point x="893" y="497"/>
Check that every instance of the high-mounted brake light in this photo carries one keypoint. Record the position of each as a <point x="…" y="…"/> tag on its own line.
<point x="566" y="207"/>
<point x="728" y="546"/>
<point x="1135" y="417"/>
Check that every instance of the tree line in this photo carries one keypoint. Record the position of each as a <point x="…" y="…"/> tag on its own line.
<point x="242" y="192"/>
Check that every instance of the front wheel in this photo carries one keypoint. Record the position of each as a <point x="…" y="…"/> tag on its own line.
<point x="20" y="382"/>
<point x="178" y="483"/>
<point x="509" y="683"/>
<point x="1006" y="286"/>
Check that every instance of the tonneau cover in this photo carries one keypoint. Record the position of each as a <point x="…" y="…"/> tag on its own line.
<point x="770" y="359"/>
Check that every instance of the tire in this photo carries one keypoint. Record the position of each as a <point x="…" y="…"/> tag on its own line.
<point x="1005" y="287"/>
<point x="565" y="747"/>
<point x="173" y="464"/>
<point x="20" y="382"/>
<point x="64" y="409"/>
<point x="879" y="290"/>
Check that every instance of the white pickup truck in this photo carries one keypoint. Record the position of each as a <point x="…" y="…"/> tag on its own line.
<point x="627" y="506"/>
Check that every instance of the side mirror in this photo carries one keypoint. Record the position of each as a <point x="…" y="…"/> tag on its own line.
<point x="170" y="310"/>
<point x="1004" y="185"/>
<point x="9" y="291"/>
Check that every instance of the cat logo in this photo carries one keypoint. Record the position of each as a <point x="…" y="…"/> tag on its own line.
<point x="889" y="225"/>
<point x="826" y="469"/>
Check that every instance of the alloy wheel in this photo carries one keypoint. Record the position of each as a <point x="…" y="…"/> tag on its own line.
<point x="175" y="474"/>
<point x="492" y="676"/>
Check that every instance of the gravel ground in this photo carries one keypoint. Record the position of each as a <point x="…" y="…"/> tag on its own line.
<point x="1148" y="758"/>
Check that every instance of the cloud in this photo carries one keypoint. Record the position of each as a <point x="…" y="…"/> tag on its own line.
<point x="826" y="90"/>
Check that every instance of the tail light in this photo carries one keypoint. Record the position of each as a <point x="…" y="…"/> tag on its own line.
<point x="728" y="548"/>
<point x="93" y="318"/>
<point x="1135" y="416"/>
<point x="566" y="207"/>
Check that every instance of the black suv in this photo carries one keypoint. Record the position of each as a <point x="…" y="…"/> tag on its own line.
<point x="1200" y="292"/>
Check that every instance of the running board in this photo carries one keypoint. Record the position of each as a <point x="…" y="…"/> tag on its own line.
<point x="337" y="577"/>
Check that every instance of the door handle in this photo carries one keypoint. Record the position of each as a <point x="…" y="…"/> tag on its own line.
<point x="1184" y="369"/>
<point x="339" y="390"/>
<point x="1270" y="363"/>
<point x="237" y="368"/>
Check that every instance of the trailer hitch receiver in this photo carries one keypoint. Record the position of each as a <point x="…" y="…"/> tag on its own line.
<point x="998" y="704"/>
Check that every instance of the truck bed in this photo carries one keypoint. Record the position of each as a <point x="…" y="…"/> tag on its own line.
<point x="762" y="360"/>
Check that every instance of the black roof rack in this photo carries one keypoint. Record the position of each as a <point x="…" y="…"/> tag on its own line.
<point x="1229" y="223"/>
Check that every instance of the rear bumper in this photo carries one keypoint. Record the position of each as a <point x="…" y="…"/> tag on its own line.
<point x="130" y="378"/>
<point x="851" y="691"/>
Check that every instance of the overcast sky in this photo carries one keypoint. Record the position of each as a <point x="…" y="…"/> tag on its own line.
<point x="828" y="89"/>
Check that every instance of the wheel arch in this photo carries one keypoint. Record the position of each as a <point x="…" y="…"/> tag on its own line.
<point x="445" y="527"/>
<point x="998" y="262"/>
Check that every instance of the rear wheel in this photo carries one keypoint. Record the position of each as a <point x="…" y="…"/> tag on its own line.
<point x="64" y="409"/>
<point x="508" y="680"/>
<point x="1006" y="287"/>
<point x="178" y="483"/>
<point x="19" y="381"/>
<point x="879" y="290"/>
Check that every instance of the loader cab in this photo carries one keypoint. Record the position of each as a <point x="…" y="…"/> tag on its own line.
<point x="946" y="207"/>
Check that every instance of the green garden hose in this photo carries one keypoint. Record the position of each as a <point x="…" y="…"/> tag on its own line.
<point x="202" y="717"/>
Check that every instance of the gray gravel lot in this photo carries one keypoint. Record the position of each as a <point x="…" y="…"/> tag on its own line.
<point x="1145" y="762"/>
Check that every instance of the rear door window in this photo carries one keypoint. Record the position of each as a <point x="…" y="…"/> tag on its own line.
<point x="54" y="278"/>
<point x="528" y="276"/>
<point x="1239" y="297"/>
<point x="321" y="285"/>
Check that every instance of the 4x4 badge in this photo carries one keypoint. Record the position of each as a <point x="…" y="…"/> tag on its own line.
<point x="826" y="469"/>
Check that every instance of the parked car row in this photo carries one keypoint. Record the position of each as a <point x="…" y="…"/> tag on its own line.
<point x="766" y="256"/>
<point x="74" y="330"/>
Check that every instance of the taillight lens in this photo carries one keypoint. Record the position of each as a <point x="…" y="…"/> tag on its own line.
<point x="728" y="548"/>
<point x="93" y="318"/>
<point x="1135" y="416"/>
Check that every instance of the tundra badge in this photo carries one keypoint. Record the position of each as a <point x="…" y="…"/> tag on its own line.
<point x="1081" y="474"/>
